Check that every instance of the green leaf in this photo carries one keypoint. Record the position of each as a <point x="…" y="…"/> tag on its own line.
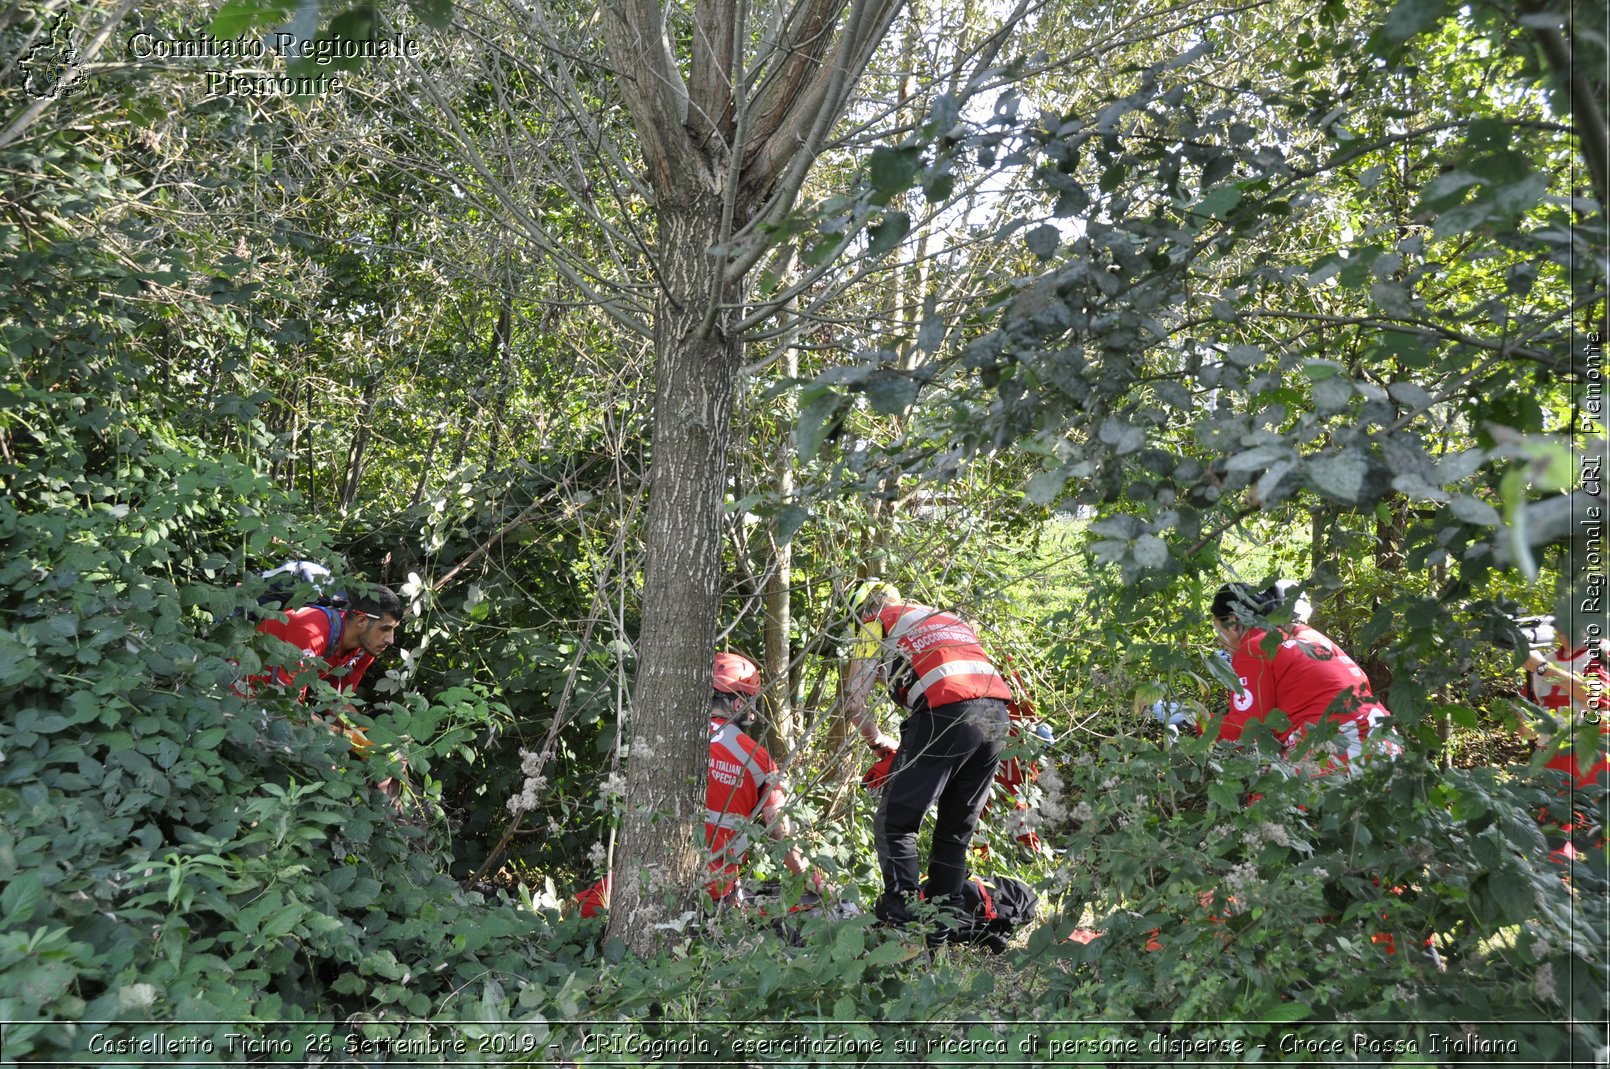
<point x="790" y="518"/>
<point x="1284" y="1013"/>
<point x="1224" y="796"/>
<point x="21" y="898"/>
<point x="354" y="24"/>
<point x="1150" y="551"/>
<point x="1045" y="486"/>
<point x="1043" y="240"/>
<point x="1512" y="492"/>
<point x="817" y="417"/>
<point x="770" y="977"/>
<point x="1341" y="475"/>
<point x="239" y="17"/>
<point x="891" y="392"/>
<point x="1471" y="510"/>
<point x="888" y="234"/>
<point x="850" y="942"/>
<point x="1332" y="394"/>
<point x="434" y="13"/>
<point x="943" y="115"/>
<point x="1220" y="202"/>
<point x="892" y="953"/>
<point x="1125" y="438"/>
<point x="892" y="170"/>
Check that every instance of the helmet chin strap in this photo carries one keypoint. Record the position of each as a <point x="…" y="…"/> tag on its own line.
<point x="742" y="714"/>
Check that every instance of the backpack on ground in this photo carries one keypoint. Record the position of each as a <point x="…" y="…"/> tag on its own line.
<point x="992" y="910"/>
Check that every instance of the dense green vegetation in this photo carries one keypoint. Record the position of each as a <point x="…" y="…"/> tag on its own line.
<point x="1313" y="290"/>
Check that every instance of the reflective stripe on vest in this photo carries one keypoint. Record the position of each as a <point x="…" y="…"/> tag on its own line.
<point x="945" y="671"/>
<point x="730" y="821"/>
<point x="944" y="655"/>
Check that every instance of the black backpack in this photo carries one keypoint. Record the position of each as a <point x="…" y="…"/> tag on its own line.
<point x="992" y="909"/>
<point x="284" y="584"/>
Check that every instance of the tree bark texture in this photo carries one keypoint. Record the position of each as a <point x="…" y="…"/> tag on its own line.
<point x="662" y="826"/>
<point x="725" y="146"/>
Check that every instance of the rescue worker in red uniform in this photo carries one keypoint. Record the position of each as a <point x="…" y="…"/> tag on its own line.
<point x="743" y="786"/>
<point x="950" y="742"/>
<point x="1305" y="675"/>
<point x="345" y="641"/>
<point x="744" y="783"/>
<point x="340" y="644"/>
<point x="1571" y="683"/>
<point x="1568" y="682"/>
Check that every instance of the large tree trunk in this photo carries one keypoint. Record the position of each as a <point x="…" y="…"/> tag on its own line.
<point x="662" y="827"/>
<point x="724" y="146"/>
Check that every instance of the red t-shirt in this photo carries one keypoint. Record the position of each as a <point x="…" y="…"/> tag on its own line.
<point x="308" y="629"/>
<point x="1307" y="676"/>
<point x="1553" y="696"/>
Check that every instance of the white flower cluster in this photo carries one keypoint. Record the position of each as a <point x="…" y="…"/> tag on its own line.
<point x="597" y="854"/>
<point x="1546" y="989"/>
<point x="1266" y="833"/>
<point x="1242" y="879"/>
<point x="614" y="784"/>
<point x="139" y="996"/>
<point x="1051" y="786"/>
<point x="527" y="799"/>
<point x="1082" y="813"/>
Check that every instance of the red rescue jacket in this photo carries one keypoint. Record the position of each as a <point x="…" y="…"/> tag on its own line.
<point x="931" y="658"/>
<point x="1307" y="676"/>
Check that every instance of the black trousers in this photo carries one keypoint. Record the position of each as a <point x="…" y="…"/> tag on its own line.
<point x="948" y="755"/>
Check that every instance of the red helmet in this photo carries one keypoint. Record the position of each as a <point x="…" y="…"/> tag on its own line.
<point x="736" y="674"/>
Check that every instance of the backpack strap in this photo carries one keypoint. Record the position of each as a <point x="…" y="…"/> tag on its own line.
<point x="989" y="899"/>
<point x="337" y="619"/>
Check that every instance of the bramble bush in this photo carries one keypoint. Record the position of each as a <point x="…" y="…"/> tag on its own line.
<point x="1240" y="894"/>
<point x="171" y="850"/>
<point x="183" y="862"/>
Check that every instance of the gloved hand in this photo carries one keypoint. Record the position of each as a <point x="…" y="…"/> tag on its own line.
<point x="883" y="743"/>
<point x="874" y="778"/>
<point x="1171" y="715"/>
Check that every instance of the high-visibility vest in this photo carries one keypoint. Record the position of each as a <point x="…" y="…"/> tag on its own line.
<point x="742" y="777"/>
<point x="932" y="658"/>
